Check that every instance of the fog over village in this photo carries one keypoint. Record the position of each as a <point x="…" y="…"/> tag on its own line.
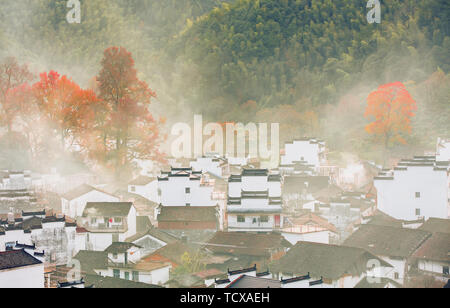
<point x="220" y="144"/>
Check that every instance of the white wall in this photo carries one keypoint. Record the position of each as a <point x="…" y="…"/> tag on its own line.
<point x="322" y="237"/>
<point x="173" y="192"/>
<point x="207" y="164"/>
<point x="23" y="277"/>
<point x="397" y="197"/>
<point x="303" y="150"/>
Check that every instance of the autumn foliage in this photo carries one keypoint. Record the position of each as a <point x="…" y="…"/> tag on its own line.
<point x="391" y="107"/>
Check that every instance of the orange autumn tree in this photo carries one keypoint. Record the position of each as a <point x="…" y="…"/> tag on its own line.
<point x="392" y="108"/>
<point x="129" y="132"/>
<point x="67" y="109"/>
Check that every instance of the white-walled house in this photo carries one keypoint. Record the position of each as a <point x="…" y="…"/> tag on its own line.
<point x="185" y="187"/>
<point x="309" y="150"/>
<point x="333" y="266"/>
<point x="308" y="228"/>
<point x="415" y="189"/>
<point x="433" y="257"/>
<point x="19" y="269"/>
<point x="108" y="222"/>
<point x="254" y="201"/>
<point x="74" y="202"/>
<point x="124" y="263"/>
<point x="391" y="244"/>
<point x="146" y="187"/>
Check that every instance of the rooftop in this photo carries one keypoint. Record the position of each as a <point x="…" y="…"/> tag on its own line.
<point x="188" y="213"/>
<point x="436" y="225"/>
<point x="436" y="248"/>
<point x="120" y="247"/>
<point x="80" y="191"/>
<point x="16" y="258"/>
<point x="387" y="241"/>
<point x="249" y="282"/>
<point x="110" y="209"/>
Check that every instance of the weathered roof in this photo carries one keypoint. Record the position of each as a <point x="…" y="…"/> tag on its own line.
<point x="321" y="260"/>
<point x="80" y="191"/>
<point x="150" y="266"/>
<point x="237" y="243"/>
<point x="142" y="180"/>
<point x="307" y="219"/>
<point x="436" y="225"/>
<point x="91" y="260"/>
<point x="112" y="209"/>
<point x="387" y="241"/>
<point x="436" y="248"/>
<point x="120" y="247"/>
<point x="172" y="252"/>
<point x="156" y="233"/>
<point x="16" y="258"/>
<point x="188" y="214"/>
<point x="382" y="219"/>
<point x="296" y="184"/>
<point x="249" y="282"/>
<point x="100" y="282"/>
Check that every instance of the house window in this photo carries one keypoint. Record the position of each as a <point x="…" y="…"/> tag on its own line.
<point x="93" y="221"/>
<point x="133" y="188"/>
<point x="127" y="276"/>
<point x="116" y="273"/>
<point x="417" y="212"/>
<point x="117" y="220"/>
<point x="445" y="270"/>
<point x="188" y="204"/>
<point x="159" y="192"/>
<point x="188" y="190"/>
<point x="264" y="219"/>
<point x="241" y="219"/>
<point x="135" y="276"/>
<point x="396" y="276"/>
<point x="417" y="195"/>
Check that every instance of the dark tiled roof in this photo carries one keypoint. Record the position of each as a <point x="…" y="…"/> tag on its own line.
<point x="156" y="233"/>
<point x="436" y="248"/>
<point x="246" y="243"/>
<point x="436" y="225"/>
<point x="249" y="282"/>
<point x="387" y="241"/>
<point x="328" y="261"/>
<point x="242" y="271"/>
<point x="100" y="282"/>
<point x="110" y="209"/>
<point x="174" y="251"/>
<point x="91" y="260"/>
<point x="70" y="284"/>
<point x="296" y="184"/>
<point x="188" y="214"/>
<point x="16" y="258"/>
<point x="120" y="247"/>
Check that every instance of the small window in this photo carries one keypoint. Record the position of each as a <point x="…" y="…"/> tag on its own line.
<point x="127" y="276"/>
<point x="159" y="192"/>
<point x="135" y="276"/>
<point x="133" y="188"/>
<point x="417" y="212"/>
<point x="241" y="219"/>
<point x="117" y="220"/>
<point x="188" y="204"/>
<point x="445" y="270"/>
<point x="417" y="195"/>
<point x="396" y="276"/>
<point x="93" y="221"/>
<point x="116" y="273"/>
<point x="264" y="219"/>
<point x="188" y="190"/>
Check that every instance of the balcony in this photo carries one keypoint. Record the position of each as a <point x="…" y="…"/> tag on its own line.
<point x="107" y="228"/>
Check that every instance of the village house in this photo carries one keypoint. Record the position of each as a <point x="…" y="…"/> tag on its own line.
<point x="236" y="249"/>
<point x="124" y="261"/>
<point x="146" y="187"/>
<point x="15" y="180"/>
<point x="74" y="202"/>
<point x="310" y="150"/>
<point x="108" y="222"/>
<point x="335" y="266"/>
<point x="185" y="187"/>
<point x="17" y="264"/>
<point x="433" y="257"/>
<point x="53" y="235"/>
<point x="254" y="201"/>
<point x="151" y="240"/>
<point x="416" y="188"/>
<point x="308" y="227"/>
<point x="393" y="245"/>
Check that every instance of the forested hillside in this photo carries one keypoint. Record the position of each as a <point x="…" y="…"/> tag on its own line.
<point x="309" y="65"/>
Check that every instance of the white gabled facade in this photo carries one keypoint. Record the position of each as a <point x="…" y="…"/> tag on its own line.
<point x="215" y="165"/>
<point x="185" y="187"/>
<point x="254" y="201"/>
<point x="145" y="188"/>
<point x="416" y="189"/>
<point x="309" y="150"/>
